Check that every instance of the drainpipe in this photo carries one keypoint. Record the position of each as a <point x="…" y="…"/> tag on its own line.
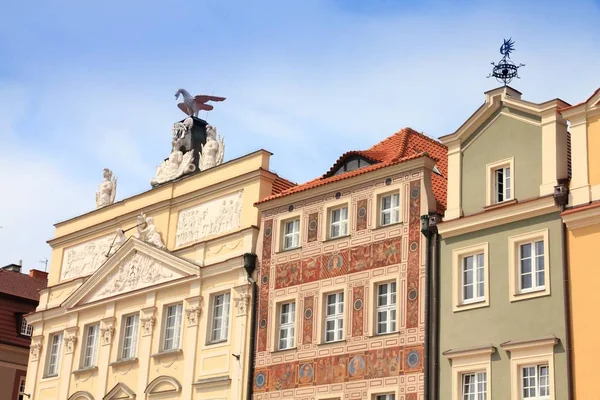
<point x="561" y="198"/>
<point x="249" y="266"/>
<point x="429" y="229"/>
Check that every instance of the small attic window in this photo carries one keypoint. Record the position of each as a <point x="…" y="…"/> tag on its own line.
<point x="351" y="164"/>
<point x="436" y="170"/>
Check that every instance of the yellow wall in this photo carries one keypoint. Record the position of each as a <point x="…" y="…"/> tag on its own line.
<point x="593" y="131"/>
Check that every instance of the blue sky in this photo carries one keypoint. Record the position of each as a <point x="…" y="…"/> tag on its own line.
<point x="86" y="85"/>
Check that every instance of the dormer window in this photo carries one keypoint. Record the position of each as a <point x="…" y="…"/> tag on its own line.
<point x="500" y="181"/>
<point x="351" y="164"/>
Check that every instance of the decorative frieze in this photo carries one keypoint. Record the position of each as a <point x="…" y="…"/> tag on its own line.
<point x="85" y="258"/>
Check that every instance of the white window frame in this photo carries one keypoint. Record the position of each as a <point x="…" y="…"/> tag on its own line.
<point x="503" y="193"/>
<point x="89" y="347"/>
<point x="54" y="350"/>
<point x="293" y="236"/>
<point x="477" y="273"/>
<point x="176" y="318"/>
<point x="220" y="333"/>
<point x="534" y="272"/>
<point x="516" y="292"/>
<point x="334" y="314"/>
<point x="386" y="396"/>
<point x="26" y="328"/>
<point x="129" y="340"/>
<point x="390" y="309"/>
<point x="21" y="389"/>
<point x="393" y="210"/>
<point x="536" y="395"/>
<point x="479" y="377"/>
<point x="470" y="361"/>
<point x="492" y="184"/>
<point x="288" y="327"/>
<point x="341" y="224"/>
<point x="459" y="256"/>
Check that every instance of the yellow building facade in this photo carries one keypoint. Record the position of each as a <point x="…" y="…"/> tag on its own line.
<point x="163" y="311"/>
<point x="582" y="219"/>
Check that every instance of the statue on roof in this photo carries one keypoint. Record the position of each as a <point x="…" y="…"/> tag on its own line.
<point x="192" y="105"/>
<point x="146" y="231"/>
<point x="180" y="129"/>
<point x="176" y="165"/>
<point x="107" y="190"/>
<point x="212" y="153"/>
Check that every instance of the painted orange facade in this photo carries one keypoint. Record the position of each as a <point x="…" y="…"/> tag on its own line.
<point x="582" y="219"/>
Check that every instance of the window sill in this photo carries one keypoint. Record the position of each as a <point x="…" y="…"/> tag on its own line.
<point x="167" y="353"/>
<point x="501" y="204"/>
<point x="216" y="343"/>
<point x="84" y="370"/>
<point x="471" y="305"/>
<point x="384" y="334"/>
<point x="531" y="294"/>
<point x="284" y="350"/>
<point x="124" y="361"/>
<point x="46" y="378"/>
<point x="387" y="226"/>
<point x="288" y="250"/>
<point x="332" y="343"/>
<point x="215" y="381"/>
<point x="336" y="238"/>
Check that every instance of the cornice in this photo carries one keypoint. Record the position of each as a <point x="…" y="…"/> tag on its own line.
<point x="582" y="218"/>
<point x="513" y="345"/>
<point x="469" y="352"/>
<point x="498" y="216"/>
<point x="424" y="162"/>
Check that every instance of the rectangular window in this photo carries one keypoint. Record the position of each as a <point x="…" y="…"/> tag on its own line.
<point x="531" y="266"/>
<point x="90" y="346"/>
<point x="502" y="184"/>
<point x="535" y="382"/>
<point x="390" y="209"/>
<point x="172" y="324"/>
<point x="474" y="386"/>
<point x="291" y="234"/>
<point x="339" y="222"/>
<point x="334" y="317"/>
<point x="473" y="278"/>
<point x="220" y="318"/>
<point x="287" y="317"/>
<point x="390" y="396"/>
<point x="26" y="329"/>
<point x="130" y="335"/>
<point x="21" y="388"/>
<point x="54" y="344"/>
<point x="386" y="308"/>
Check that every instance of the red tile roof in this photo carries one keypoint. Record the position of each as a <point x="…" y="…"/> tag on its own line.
<point x="402" y="146"/>
<point x="280" y="184"/>
<point x="21" y="285"/>
<point x="578" y="104"/>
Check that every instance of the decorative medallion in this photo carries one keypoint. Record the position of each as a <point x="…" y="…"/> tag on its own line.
<point x="415" y="193"/>
<point x="356" y="367"/>
<point x="412" y="294"/>
<point x="362" y="212"/>
<point x="260" y="380"/>
<point x="412" y="360"/>
<point x="268" y="231"/>
<point x="338" y="195"/>
<point x="265" y="279"/>
<point x="414" y="246"/>
<point x="358" y="304"/>
<point x="305" y="373"/>
<point x="263" y="323"/>
<point x="388" y="181"/>
<point x="291" y="208"/>
<point x="336" y="261"/>
<point x="313" y="225"/>
<point x="308" y="313"/>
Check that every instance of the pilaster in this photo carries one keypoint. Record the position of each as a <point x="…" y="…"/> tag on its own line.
<point x="454" y="203"/>
<point x="580" y="182"/>
<point x="69" y="344"/>
<point x="34" y="365"/>
<point x="241" y="326"/>
<point x="193" y="311"/>
<point x="147" y="327"/>
<point x="554" y="151"/>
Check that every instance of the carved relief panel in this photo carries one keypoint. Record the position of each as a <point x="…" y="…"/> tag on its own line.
<point x="85" y="258"/>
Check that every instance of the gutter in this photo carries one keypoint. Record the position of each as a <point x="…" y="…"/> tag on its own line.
<point x="250" y="269"/>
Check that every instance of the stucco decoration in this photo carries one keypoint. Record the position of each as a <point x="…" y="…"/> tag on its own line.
<point x="241" y="300"/>
<point x="193" y="314"/>
<point x="213" y="151"/>
<point x="85" y="258"/>
<point x="177" y="164"/>
<point x="146" y="231"/>
<point x="35" y="350"/>
<point x="107" y="333"/>
<point x="180" y="129"/>
<point x="208" y="219"/>
<point x="136" y="271"/>
<point x="107" y="190"/>
<point x="147" y="324"/>
<point x="70" y="341"/>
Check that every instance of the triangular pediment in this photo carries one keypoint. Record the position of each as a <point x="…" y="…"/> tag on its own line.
<point x="135" y="266"/>
<point x="120" y="392"/>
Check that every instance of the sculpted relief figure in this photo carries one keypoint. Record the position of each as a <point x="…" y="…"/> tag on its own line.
<point x="176" y="165"/>
<point x="146" y="231"/>
<point x="213" y="151"/>
<point x="180" y="129"/>
<point x="105" y="195"/>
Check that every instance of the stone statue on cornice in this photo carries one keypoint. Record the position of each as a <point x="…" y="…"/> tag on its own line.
<point x="107" y="190"/>
<point x="146" y="231"/>
<point x="176" y="165"/>
<point x="213" y="151"/>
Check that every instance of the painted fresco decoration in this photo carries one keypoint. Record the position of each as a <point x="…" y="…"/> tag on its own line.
<point x="212" y="218"/>
<point x="412" y="273"/>
<point x="305" y="373"/>
<point x="361" y="215"/>
<point x="313" y="227"/>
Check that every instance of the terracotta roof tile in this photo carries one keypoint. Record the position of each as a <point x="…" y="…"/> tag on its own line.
<point x="578" y="104"/>
<point x="21" y="285"/>
<point x="400" y="147"/>
<point x="280" y="184"/>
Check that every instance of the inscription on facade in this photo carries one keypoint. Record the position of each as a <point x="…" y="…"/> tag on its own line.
<point x="208" y="219"/>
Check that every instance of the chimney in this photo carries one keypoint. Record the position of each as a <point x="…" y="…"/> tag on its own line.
<point x="37" y="274"/>
<point x="12" y="267"/>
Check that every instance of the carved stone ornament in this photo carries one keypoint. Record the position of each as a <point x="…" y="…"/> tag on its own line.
<point x="70" y="341"/>
<point x="146" y="231"/>
<point x="176" y="165"/>
<point x="107" y="190"/>
<point x="208" y="219"/>
<point x="213" y="151"/>
<point x="35" y="350"/>
<point x="147" y="324"/>
<point x="180" y="129"/>
<point x="193" y="314"/>
<point x="107" y="333"/>
<point x="241" y="300"/>
<point x="137" y="270"/>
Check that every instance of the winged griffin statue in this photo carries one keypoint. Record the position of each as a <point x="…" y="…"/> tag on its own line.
<point x="213" y="151"/>
<point x="192" y="105"/>
<point x="107" y="190"/>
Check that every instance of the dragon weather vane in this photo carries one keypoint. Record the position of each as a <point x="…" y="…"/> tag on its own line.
<point x="506" y="70"/>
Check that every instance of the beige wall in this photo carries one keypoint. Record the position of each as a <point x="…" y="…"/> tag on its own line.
<point x="593" y="136"/>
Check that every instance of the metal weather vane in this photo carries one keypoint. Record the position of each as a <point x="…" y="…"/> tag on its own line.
<point x="506" y="70"/>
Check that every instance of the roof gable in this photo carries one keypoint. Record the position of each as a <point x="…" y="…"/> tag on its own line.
<point x="135" y="266"/>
